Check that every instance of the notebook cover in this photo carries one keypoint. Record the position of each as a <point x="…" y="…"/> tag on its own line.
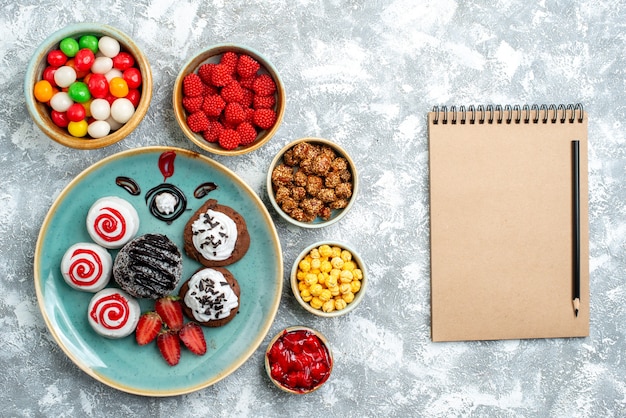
<point x="501" y="230"/>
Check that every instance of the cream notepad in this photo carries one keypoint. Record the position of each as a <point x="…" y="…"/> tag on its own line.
<point x="502" y="229"/>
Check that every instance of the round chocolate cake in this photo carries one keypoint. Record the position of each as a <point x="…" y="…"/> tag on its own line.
<point x="149" y="266"/>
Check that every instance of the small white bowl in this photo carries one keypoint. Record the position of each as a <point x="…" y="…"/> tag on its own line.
<point x="336" y="214"/>
<point x="358" y="296"/>
<point x="300" y="331"/>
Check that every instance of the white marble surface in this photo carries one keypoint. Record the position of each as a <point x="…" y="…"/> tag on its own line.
<point x="363" y="74"/>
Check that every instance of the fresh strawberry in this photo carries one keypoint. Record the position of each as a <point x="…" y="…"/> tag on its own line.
<point x="264" y="85"/>
<point x="221" y="75"/>
<point x="192" y="85"/>
<point x="193" y="104"/>
<point x="169" y="346"/>
<point x="204" y="72"/>
<point x="213" y="133"/>
<point x="263" y="102"/>
<point x="232" y="92"/>
<point x="229" y="139"/>
<point x="247" y="133"/>
<point x="148" y="327"/>
<point x="213" y="105"/>
<point x="247" y="66"/>
<point x="192" y="336"/>
<point x="264" y="118"/>
<point x="229" y="60"/>
<point x="234" y="114"/>
<point x="198" y="121"/>
<point x="170" y="310"/>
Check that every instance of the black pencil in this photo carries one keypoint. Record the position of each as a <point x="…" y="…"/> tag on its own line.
<point x="576" y="225"/>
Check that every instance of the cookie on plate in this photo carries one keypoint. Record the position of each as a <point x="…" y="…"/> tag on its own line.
<point x="211" y="296"/>
<point x="216" y="235"/>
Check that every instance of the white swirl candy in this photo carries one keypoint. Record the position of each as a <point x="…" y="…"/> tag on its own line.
<point x="86" y="266"/>
<point x="113" y="313"/>
<point x="214" y="235"/>
<point x="112" y="222"/>
<point x="210" y="297"/>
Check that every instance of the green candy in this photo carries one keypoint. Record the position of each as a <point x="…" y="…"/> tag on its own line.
<point x="79" y="92"/>
<point x="69" y="47"/>
<point x="88" y="41"/>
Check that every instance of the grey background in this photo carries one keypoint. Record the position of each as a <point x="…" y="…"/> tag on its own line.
<point x="362" y="74"/>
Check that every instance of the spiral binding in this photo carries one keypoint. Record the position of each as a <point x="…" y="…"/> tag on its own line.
<point x="509" y="114"/>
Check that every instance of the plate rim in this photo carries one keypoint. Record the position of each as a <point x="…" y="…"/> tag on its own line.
<point x="38" y="281"/>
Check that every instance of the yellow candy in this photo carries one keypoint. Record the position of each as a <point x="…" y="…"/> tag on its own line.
<point x="349" y="265"/>
<point x="78" y="129"/>
<point x="316" y="289"/>
<point x="328" y="306"/>
<point x="334" y="291"/>
<point x="316" y="263"/>
<point x="348" y="297"/>
<point x="302" y="286"/>
<point x="346" y="255"/>
<point x="340" y="304"/>
<point x="355" y="285"/>
<point x="314" y="253"/>
<point x="358" y="274"/>
<point x="346" y="276"/>
<point x="325" y="251"/>
<point x="325" y="296"/>
<point x="337" y="262"/>
<point x="304" y="265"/>
<point x="345" y="288"/>
<point x="310" y="279"/>
<point x="316" y="303"/>
<point x="331" y="281"/>
<point x="325" y="266"/>
<point x="306" y="295"/>
<point x="336" y="252"/>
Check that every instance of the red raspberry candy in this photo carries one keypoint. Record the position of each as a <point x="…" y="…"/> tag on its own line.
<point x="247" y="133"/>
<point x="198" y="122"/>
<point x="221" y="75"/>
<point x="232" y="93"/>
<point x="229" y="139"/>
<point x="263" y="102"/>
<point x="264" y="85"/>
<point x="248" y="97"/>
<point x="204" y="72"/>
<point x="212" y="134"/>
<point x="247" y="66"/>
<point x="193" y="104"/>
<point x="192" y="85"/>
<point x="247" y="82"/>
<point x="234" y="113"/>
<point x="230" y="59"/>
<point x="264" y="118"/>
<point x="213" y="105"/>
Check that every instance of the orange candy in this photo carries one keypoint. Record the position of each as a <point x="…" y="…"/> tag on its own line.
<point x="118" y="87"/>
<point x="43" y="91"/>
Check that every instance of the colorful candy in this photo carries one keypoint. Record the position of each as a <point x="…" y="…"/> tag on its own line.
<point x="91" y="86"/>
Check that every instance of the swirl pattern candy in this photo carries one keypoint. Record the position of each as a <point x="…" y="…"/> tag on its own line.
<point x="86" y="266"/>
<point x="113" y="313"/>
<point x="112" y="222"/>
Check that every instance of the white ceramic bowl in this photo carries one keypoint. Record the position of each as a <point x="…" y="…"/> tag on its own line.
<point x="336" y="214"/>
<point x="358" y="295"/>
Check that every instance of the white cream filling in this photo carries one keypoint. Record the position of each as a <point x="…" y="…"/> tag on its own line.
<point x="210" y="297"/>
<point x="214" y="235"/>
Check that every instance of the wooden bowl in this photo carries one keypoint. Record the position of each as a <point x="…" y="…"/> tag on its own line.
<point x="40" y="112"/>
<point x="213" y="55"/>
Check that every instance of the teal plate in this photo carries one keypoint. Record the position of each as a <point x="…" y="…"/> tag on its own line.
<point x="121" y="363"/>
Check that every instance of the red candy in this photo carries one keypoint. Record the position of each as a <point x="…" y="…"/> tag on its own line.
<point x="48" y="74"/>
<point x="76" y="112"/>
<point x="84" y="59"/>
<point x="134" y="96"/>
<point x="133" y="77"/>
<point x="59" y="119"/>
<point x="123" y="61"/>
<point x="98" y="85"/>
<point x="56" y="58"/>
